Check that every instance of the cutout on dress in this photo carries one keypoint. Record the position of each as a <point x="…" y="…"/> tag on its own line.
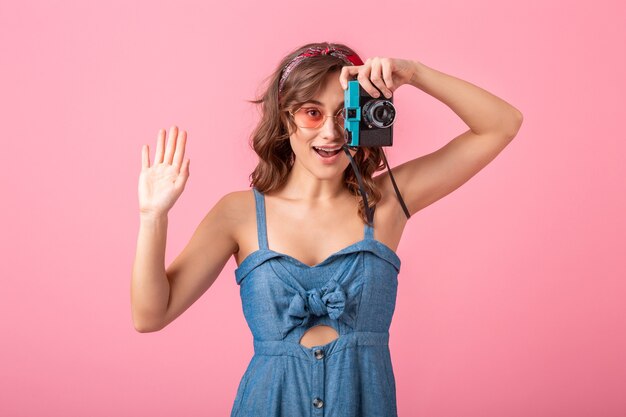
<point x="318" y="335"/>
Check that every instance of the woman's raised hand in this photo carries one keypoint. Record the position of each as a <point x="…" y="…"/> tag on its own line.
<point x="387" y="74"/>
<point x="161" y="184"/>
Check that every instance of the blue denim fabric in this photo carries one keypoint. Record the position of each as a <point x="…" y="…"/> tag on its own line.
<point x="353" y="290"/>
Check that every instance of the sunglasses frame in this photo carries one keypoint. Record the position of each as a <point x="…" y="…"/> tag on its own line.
<point x="341" y="112"/>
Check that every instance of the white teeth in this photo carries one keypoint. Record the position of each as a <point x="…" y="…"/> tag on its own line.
<point x="327" y="149"/>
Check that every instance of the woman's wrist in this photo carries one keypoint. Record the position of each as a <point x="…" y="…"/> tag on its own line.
<point x="152" y="217"/>
<point x="419" y="68"/>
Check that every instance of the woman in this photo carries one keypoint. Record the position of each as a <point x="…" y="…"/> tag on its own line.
<point x="318" y="283"/>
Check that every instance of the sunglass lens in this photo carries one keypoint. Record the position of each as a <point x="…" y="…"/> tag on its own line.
<point x="312" y="117"/>
<point x="309" y="117"/>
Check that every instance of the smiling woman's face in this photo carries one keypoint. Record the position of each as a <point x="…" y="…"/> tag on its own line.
<point x="330" y="135"/>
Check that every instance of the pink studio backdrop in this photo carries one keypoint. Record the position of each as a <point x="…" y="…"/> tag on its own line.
<point x="511" y="292"/>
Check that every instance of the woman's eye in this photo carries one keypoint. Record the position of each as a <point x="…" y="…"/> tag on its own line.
<point x="313" y="113"/>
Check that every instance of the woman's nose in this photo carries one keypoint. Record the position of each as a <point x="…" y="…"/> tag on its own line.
<point x="330" y="127"/>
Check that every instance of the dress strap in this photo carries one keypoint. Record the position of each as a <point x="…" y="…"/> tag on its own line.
<point x="369" y="230"/>
<point x="261" y="226"/>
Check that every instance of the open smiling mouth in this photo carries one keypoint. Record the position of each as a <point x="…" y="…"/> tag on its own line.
<point x="326" y="152"/>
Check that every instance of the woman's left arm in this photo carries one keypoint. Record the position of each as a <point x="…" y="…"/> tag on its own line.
<point x="483" y="112"/>
<point x="492" y="123"/>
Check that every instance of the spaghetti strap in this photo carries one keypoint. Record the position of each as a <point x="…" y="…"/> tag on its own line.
<point x="259" y="199"/>
<point x="369" y="230"/>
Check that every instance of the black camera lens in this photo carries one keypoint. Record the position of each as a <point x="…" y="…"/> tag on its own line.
<point x="347" y="136"/>
<point x="379" y="113"/>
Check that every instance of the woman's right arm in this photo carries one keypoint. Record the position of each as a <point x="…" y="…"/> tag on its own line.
<point x="159" y="296"/>
<point x="150" y="289"/>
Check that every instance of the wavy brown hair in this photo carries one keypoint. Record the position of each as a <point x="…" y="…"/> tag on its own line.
<point x="270" y="138"/>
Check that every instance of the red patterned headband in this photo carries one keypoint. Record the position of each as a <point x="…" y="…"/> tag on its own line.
<point x="347" y="56"/>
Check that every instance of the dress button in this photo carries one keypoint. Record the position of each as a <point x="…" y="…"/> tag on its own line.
<point x="319" y="354"/>
<point x="318" y="403"/>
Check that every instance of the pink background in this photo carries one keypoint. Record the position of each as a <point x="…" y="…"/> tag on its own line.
<point x="511" y="296"/>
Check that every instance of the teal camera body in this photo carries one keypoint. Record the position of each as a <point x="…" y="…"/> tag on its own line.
<point x="368" y="121"/>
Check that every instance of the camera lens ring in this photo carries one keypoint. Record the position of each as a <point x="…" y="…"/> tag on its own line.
<point x="379" y="113"/>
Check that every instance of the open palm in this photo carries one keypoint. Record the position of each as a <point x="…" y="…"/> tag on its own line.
<point x="161" y="184"/>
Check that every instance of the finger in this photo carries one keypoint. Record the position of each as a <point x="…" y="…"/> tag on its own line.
<point x="180" y="148"/>
<point x="387" y="72"/>
<point x="158" y="156"/>
<point x="171" y="143"/>
<point x="377" y="79"/>
<point x="145" y="157"/>
<point x="181" y="179"/>
<point x="347" y="73"/>
<point x="364" y="80"/>
<point x="343" y="77"/>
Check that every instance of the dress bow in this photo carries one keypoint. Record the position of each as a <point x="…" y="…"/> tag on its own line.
<point x="330" y="299"/>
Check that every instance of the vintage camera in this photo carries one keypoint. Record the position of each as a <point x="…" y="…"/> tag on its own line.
<point x="368" y="120"/>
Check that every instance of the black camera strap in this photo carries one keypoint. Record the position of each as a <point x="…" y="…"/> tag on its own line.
<point x="369" y="211"/>
<point x="395" y="187"/>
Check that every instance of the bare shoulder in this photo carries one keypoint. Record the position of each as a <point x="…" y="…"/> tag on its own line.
<point x="389" y="203"/>
<point x="237" y="208"/>
<point x="235" y="204"/>
<point x="389" y="218"/>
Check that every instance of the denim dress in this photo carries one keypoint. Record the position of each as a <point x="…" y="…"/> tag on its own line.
<point x="353" y="291"/>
